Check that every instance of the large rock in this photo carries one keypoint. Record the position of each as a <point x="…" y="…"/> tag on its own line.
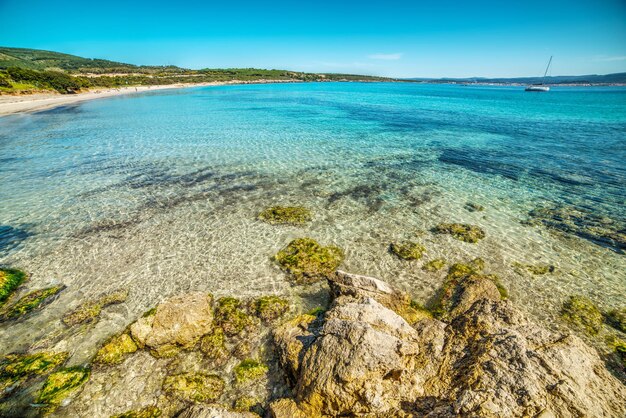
<point x="177" y="322"/>
<point x="488" y="361"/>
<point x="214" y="411"/>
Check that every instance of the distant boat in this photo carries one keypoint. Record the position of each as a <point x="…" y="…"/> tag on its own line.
<point x="541" y="87"/>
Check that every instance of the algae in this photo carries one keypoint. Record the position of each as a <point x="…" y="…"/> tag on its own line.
<point x="307" y="261"/>
<point x="90" y="310"/>
<point x="116" y="350"/>
<point x="194" y="387"/>
<point x="230" y="317"/>
<point x="538" y="270"/>
<point x="269" y="308"/>
<point x="10" y="280"/>
<point x="147" y="412"/>
<point x="212" y="345"/>
<point x="407" y="250"/>
<point x="62" y="384"/>
<point x="21" y="365"/>
<point x="33" y="301"/>
<point x="462" y="232"/>
<point x="617" y="319"/>
<point x="249" y="369"/>
<point x="286" y="215"/>
<point x="581" y="312"/>
<point x="434" y="265"/>
<point x="246" y="403"/>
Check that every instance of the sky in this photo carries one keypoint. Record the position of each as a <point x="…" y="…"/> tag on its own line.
<point x="436" y="38"/>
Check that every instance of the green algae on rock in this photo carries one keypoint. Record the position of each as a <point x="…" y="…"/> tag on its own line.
<point x="213" y="344"/>
<point x="90" y="310"/>
<point x="62" y="384"/>
<point x="246" y="403"/>
<point x="434" y="265"/>
<point x="230" y="317"/>
<point x="147" y="412"/>
<point x="115" y="350"/>
<point x="462" y="232"/>
<point x="10" y="280"/>
<point x="286" y="215"/>
<point x="581" y="312"/>
<point x="20" y="365"/>
<point x="308" y="261"/>
<point x="617" y="319"/>
<point x="32" y="301"/>
<point x="249" y="369"/>
<point x="538" y="270"/>
<point x="474" y="207"/>
<point x="194" y="387"/>
<point x="407" y="250"/>
<point x="269" y="308"/>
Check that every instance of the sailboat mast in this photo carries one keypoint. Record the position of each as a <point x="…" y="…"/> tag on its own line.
<point x="548" y="67"/>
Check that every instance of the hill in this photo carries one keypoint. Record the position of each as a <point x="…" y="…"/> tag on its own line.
<point x="29" y="70"/>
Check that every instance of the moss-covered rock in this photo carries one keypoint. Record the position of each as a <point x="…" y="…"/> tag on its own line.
<point x="308" y="261"/>
<point x="213" y="344"/>
<point x="33" y="301"/>
<point x="90" y="310"/>
<point x="286" y="215"/>
<point x="10" y="279"/>
<point x="538" y="269"/>
<point x="62" y="384"/>
<point x="462" y="232"/>
<point x="474" y="207"/>
<point x="249" y="369"/>
<point x="165" y="351"/>
<point x="407" y="250"/>
<point x="434" y="265"/>
<point x="247" y="403"/>
<point x="194" y="387"/>
<point x="581" y="312"/>
<point x="115" y="350"/>
<point x="230" y="316"/>
<point x="617" y="319"/>
<point x="148" y="412"/>
<point x="20" y="365"/>
<point x="269" y="308"/>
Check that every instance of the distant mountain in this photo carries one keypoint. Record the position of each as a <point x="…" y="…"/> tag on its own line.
<point x="616" y="78"/>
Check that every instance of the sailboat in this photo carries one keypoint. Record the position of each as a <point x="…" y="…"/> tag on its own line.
<point x="541" y="87"/>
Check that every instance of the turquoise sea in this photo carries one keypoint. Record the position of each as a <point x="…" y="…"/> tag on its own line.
<point x="159" y="192"/>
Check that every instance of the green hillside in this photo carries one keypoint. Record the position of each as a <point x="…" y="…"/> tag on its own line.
<point x="30" y="70"/>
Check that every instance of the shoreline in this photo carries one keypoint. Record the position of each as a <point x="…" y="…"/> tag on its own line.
<point x="14" y="104"/>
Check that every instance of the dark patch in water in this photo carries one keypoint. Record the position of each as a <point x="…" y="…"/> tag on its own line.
<point x="107" y="225"/>
<point x="366" y="193"/>
<point x="11" y="237"/>
<point x="486" y="162"/>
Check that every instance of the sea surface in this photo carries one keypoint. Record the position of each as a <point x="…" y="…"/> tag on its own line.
<point x="159" y="192"/>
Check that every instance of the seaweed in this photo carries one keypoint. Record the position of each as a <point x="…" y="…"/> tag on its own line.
<point x="62" y="384"/>
<point x="249" y="369"/>
<point x="286" y="215"/>
<point x="462" y="232"/>
<point x="581" y="312"/>
<point x="115" y="350"/>
<point x="33" y="301"/>
<point x="194" y="387"/>
<point x="307" y="261"/>
<point x="407" y="250"/>
<point x="10" y="280"/>
<point x="269" y="308"/>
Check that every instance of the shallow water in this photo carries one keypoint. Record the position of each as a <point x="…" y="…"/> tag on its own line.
<point x="158" y="192"/>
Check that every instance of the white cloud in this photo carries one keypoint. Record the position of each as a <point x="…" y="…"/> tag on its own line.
<point x="614" y="58"/>
<point x="386" y="57"/>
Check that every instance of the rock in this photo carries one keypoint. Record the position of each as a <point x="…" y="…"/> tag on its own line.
<point x="308" y="261"/>
<point x="116" y="350"/>
<point x="538" y="270"/>
<point x="10" y="280"/>
<point x="286" y="215"/>
<point x="249" y="369"/>
<point x="147" y="412"/>
<point x="15" y="369"/>
<point x="581" y="312"/>
<point x="90" y="310"/>
<point x="617" y="319"/>
<point x="194" y="387"/>
<point x="230" y="316"/>
<point x="178" y="322"/>
<point x="212" y="345"/>
<point x="462" y="232"/>
<point x="269" y="308"/>
<point x="33" y="301"/>
<point x="434" y="265"/>
<point x="488" y="361"/>
<point x="474" y="207"/>
<point x="62" y="384"/>
<point x="214" y="411"/>
<point x="291" y="340"/>
<point x="407" y="250"/>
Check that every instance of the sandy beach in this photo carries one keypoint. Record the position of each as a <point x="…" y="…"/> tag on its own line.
<point x="11" y="104"/>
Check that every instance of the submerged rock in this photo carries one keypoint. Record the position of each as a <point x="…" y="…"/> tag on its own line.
<point x="407" y="250"/>
<point x="194" y="387"/>
<point x="15" y="369"/>
<point x="488" y="361"/>
<point x="229" y="315"/>
<point x="32" y="301"/>
<point x="90" y="310"/>
<point x="308" y="261"/>
<point x="177" y="323"/>
<point x="269" y="308"/>
<point x="581" y="312"/>
<point x="10" y="280"/>
<point x="286" y="215"/>
<point x="617" y="319"/>
<point x="116" y="349"/>
<point x="538" y="269"/>
<point x="62" y="384"/>
<point x="434" y="265"/>
<point x="213" y="345"/>
<point x="474" y="207"/>
<point x="462" y="232"/>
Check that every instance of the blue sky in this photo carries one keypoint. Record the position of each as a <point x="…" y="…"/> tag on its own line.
<point x="391" y="38"/>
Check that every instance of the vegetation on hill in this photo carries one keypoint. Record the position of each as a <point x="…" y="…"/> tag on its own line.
<point x="28" y="70"/>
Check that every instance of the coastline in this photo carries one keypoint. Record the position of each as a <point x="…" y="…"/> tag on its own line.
<point x="14" y="104"/>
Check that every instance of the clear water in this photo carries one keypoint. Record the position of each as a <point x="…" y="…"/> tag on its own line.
<point x="158" y="192"/>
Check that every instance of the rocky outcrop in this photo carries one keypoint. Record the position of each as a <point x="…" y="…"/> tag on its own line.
<point x="487" y="360"/>
<point x="177" y="323"/>
<point x="214" y="411"/>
